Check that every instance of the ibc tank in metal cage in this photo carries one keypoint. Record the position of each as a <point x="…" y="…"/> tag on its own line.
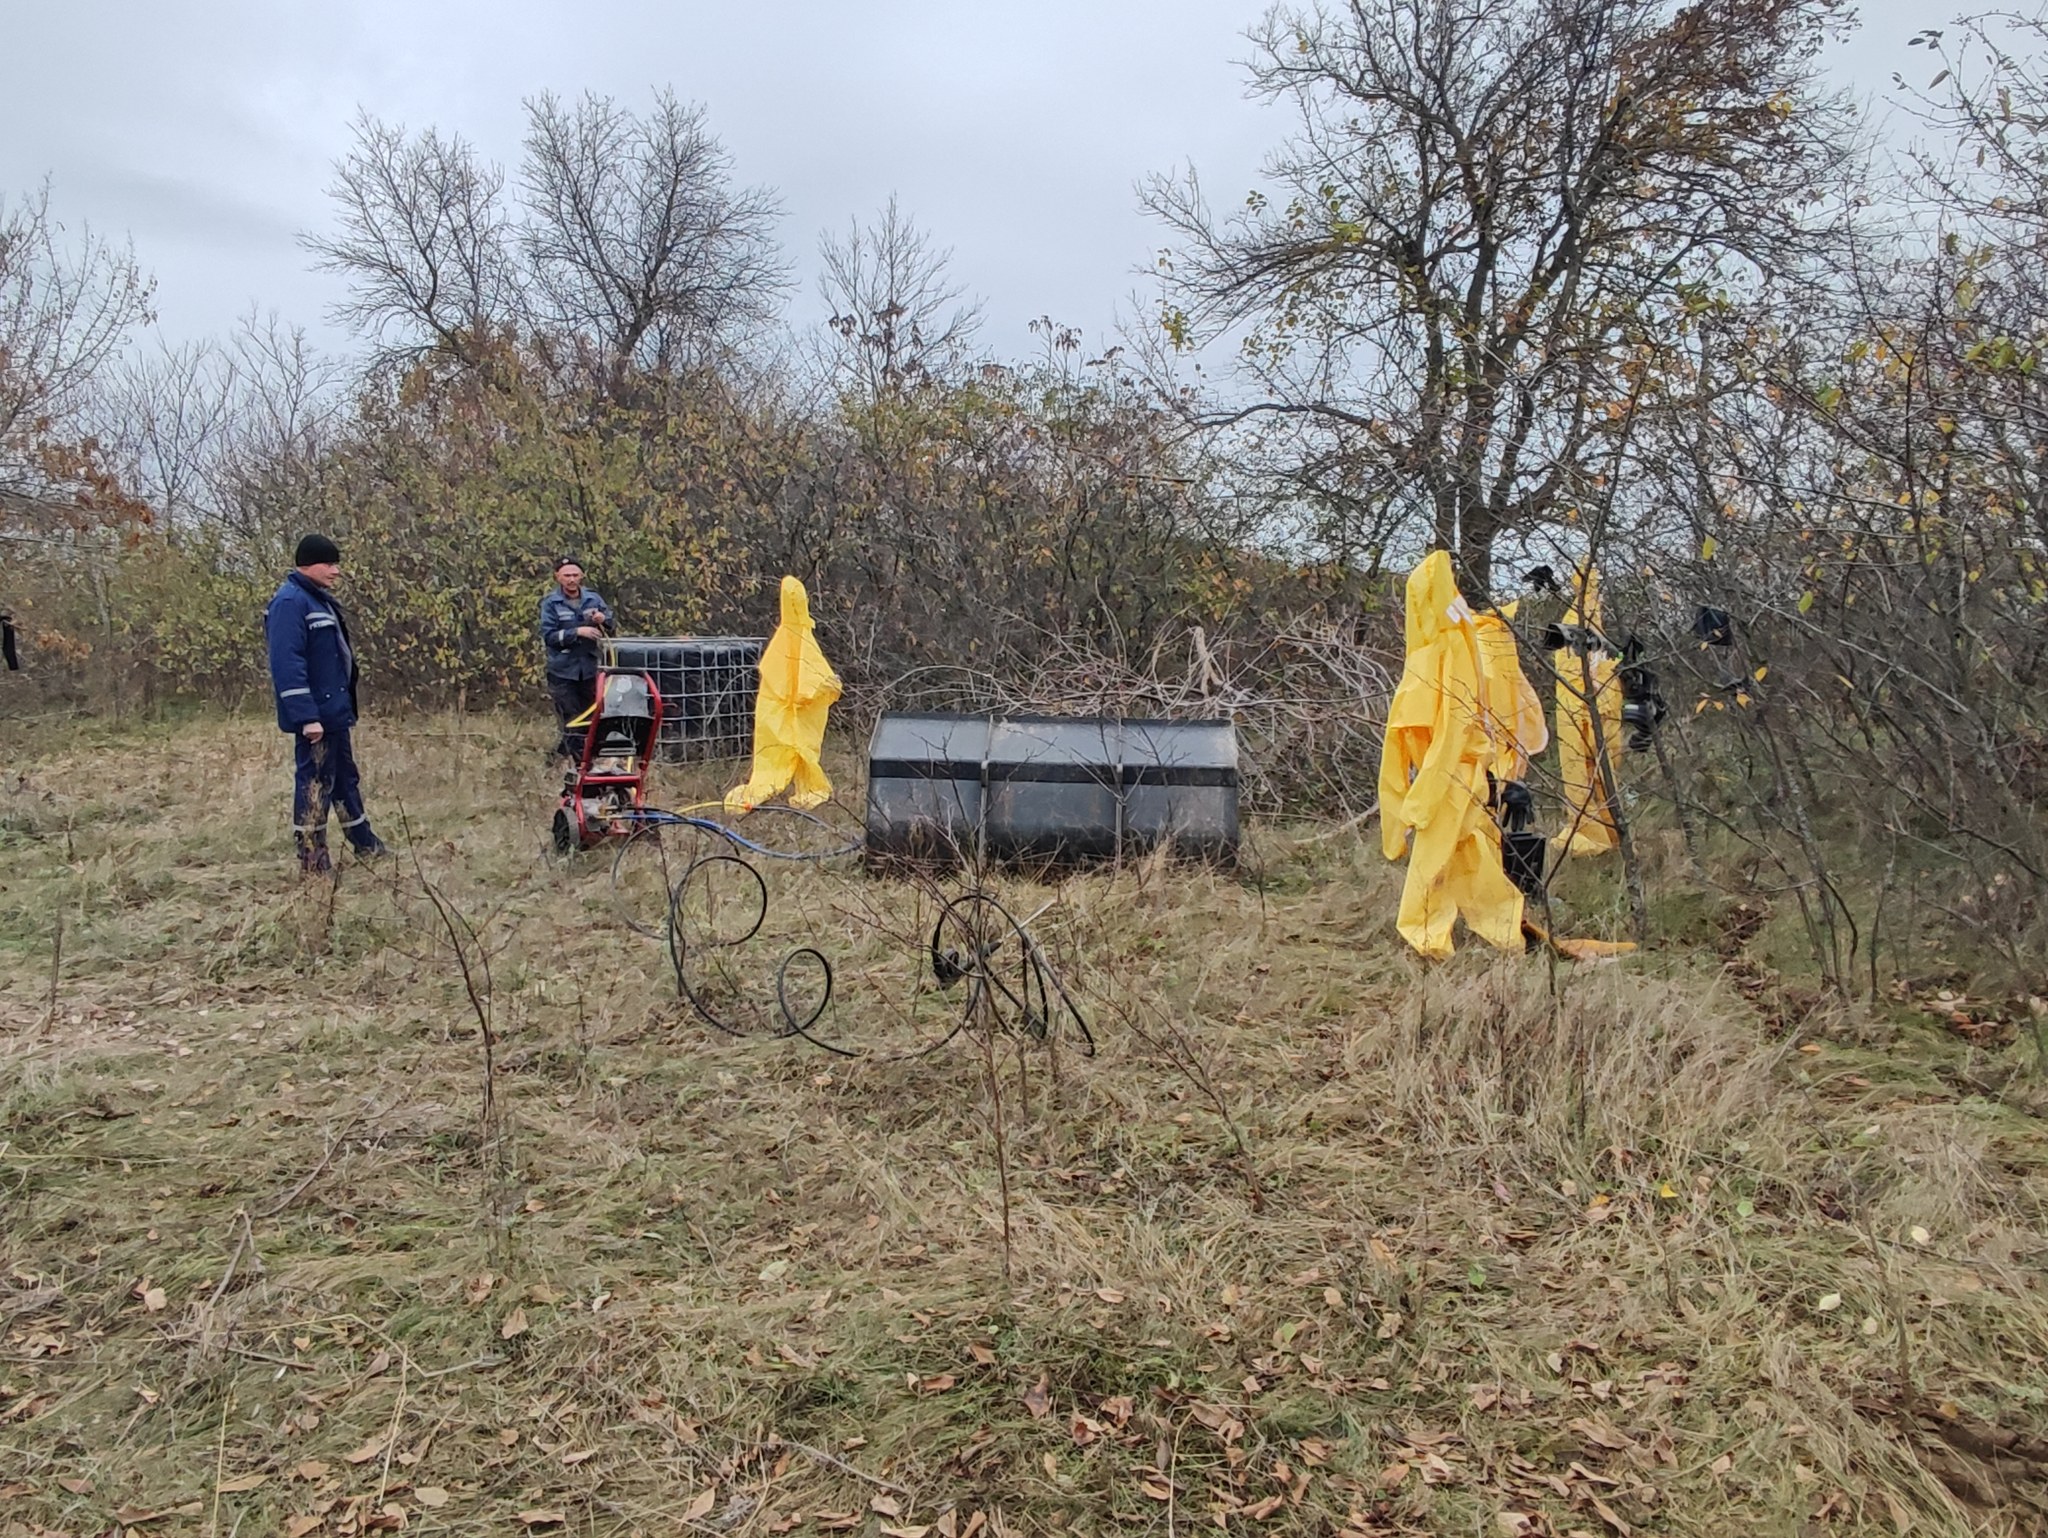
<point x="1056" y="788"/>
<point x="707" y="685"/>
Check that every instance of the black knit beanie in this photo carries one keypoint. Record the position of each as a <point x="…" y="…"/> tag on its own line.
<point x="316" y="550"/>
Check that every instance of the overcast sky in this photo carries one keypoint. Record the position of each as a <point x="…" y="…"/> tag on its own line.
<point x="1015" y="133"/>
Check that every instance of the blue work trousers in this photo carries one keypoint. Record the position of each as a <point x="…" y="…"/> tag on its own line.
<point x="326" y="778"/>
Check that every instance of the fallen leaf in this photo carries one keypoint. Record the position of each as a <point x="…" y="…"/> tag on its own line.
<point x="1722" y="1464"/>
<point x="886" y="1506"/>
<point x="1902" y="1519"/>
<point x="701" y="1504"/>
<point x="433" y="1497"/>
<point x="983" y="1355"/>
<point x="1919" y="1235"/>
<point x="570" y="1460"/>
<point x="311" y="1470"/>
<point x="938" y="1385"/>
<point x="379" y="1364"/>
<point x="15" y="1491"/>
<point x="836" y="1521"/>
<point x="514" y="1325"/>
<point x="1514" y="1524"/>
<point x="1038" y="1399"/>
<point x="906" y="1532"/>
<point x="537" y="1518"/>
<point x="370" y="1449"/>
<point x="1392" y="1475"/>
<point x="298" y="1527"/>
<point x="1607" y="1515"/>
<point x="1152" y="1489"/>
<point x="240" y="1483"/>
<point x="1830" y="1303"/>
<point x="1602" y="1433"/>
<point x="155" y="1300"/>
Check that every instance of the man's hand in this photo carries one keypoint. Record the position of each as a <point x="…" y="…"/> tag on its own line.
<point x="589" y="632"/>
<point x="312" y="731"/>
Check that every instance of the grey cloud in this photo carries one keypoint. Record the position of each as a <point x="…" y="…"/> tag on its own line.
<point x="1013" y="132"/>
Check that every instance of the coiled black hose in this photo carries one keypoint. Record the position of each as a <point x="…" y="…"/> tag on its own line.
<point x="1012" y="984"/>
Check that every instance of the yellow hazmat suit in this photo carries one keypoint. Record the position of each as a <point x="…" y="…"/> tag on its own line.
<point x="1589" y="822"/>
<point x="1514" y="711"/>
<point x="1433" y="769"/>
<point x="798" y="687"/>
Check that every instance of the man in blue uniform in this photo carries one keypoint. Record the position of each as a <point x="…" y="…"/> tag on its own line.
<point x="313" y="674"/>
<point x="573" y="619"/>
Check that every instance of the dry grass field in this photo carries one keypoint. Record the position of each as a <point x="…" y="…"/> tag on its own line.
<point x="1506" y="1249"/>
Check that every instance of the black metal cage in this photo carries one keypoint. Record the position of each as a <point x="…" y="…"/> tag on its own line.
<point x="707" y="684"/>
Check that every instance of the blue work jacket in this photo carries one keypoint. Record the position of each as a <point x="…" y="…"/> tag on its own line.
<point x="312" y="664"/>
<point x="571" y="655"/>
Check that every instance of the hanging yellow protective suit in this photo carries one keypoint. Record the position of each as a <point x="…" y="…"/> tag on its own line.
<point x="798" y="687"/>
<point x="1514" y="710"/>
<point x="1587" y="680"/>
<point x="1433" y="769"/>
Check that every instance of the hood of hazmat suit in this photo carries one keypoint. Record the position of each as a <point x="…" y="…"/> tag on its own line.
<point x="798" y="687"/>
<point x="1433" y="776"/>
<point x="1587" y="680"/>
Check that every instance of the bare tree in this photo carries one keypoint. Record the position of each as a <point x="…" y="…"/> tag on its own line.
<point x="1481" y="205"/>
<point x="895" y="314"/>
<point x="423" y="242"/>
<point x="287" y="403"/>
<point x="165" y="415"/>
<point x="639" y="244"/>
<point x="66" y="309"/>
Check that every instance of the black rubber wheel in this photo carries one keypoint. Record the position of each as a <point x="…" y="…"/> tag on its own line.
<point x="564" y="833"/>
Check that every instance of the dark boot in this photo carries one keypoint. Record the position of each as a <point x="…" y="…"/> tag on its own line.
<point x="314" y="859"/>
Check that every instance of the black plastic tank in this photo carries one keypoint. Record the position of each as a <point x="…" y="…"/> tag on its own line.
<point x="1056" y="789"/>
<point x="707" y="685"/>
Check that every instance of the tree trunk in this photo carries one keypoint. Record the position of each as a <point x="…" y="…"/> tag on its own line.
<point x="1472" y="555"/>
